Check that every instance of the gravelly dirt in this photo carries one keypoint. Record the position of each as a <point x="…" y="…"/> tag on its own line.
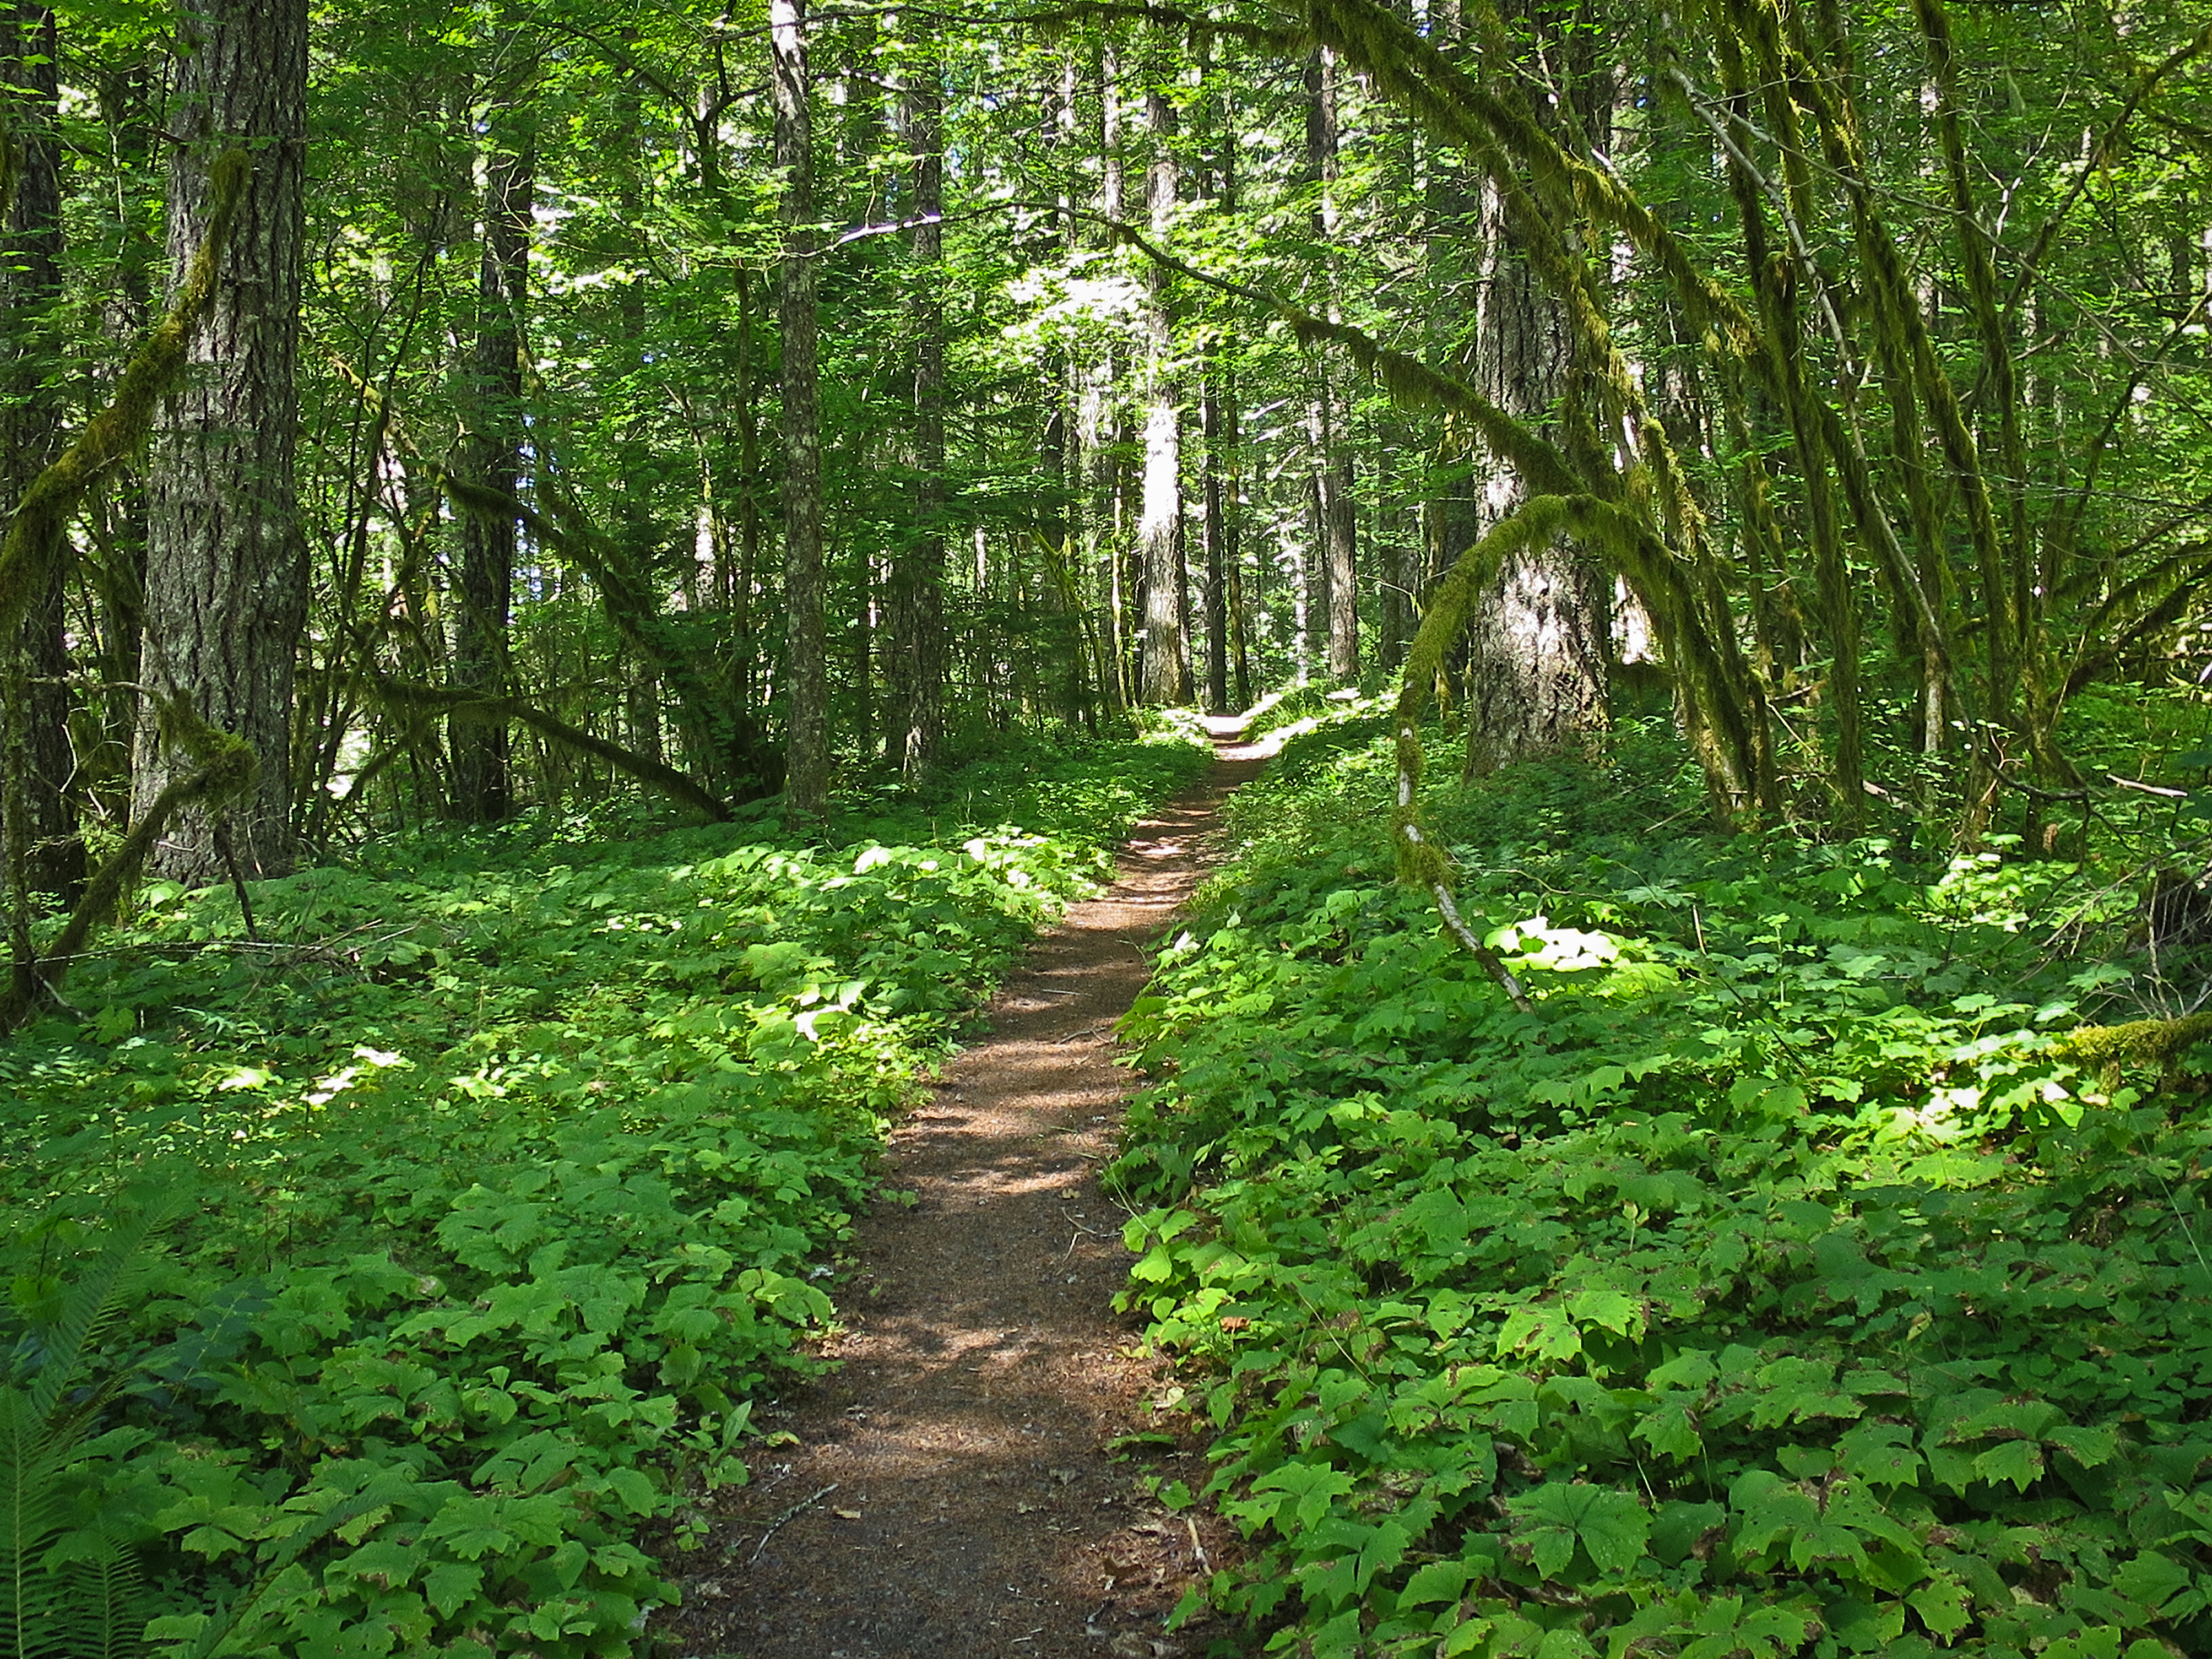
<point x="951" y="1490"/>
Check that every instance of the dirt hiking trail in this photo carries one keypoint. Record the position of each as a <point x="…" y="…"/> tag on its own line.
<point x="951" y="1490"/>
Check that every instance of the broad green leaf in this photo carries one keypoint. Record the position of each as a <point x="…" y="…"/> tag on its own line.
<point x="2019" y="1462"/>
<point x="1941" y="1606"/>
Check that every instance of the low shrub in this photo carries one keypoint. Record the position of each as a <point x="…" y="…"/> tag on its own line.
<point x="1792" y="1280"/>
<point x="516" y="1163"/>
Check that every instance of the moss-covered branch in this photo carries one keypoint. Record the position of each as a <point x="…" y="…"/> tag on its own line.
<point x="469" y="705"/>
<point x="713" y="723"/>
<point x="2140" y="1042"/>
<point x="1412" y="384"/>
<point x="36" y="534"/>
<point x="226" y="769"/>
<point x="30" y="561"/>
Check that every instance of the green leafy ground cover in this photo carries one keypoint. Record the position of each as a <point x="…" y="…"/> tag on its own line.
<point x="1778" y="1287"/>
<point x="516" y="1161"/>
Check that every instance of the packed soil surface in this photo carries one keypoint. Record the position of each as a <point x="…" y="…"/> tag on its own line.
<point x="967" y="1482"/>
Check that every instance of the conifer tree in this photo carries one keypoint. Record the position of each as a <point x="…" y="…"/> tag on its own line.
<point x="227" y="576"/>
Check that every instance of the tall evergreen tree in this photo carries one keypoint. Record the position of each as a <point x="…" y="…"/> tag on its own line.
<point x="1539" y="646"/>
<point x="806" y="666"/>
<point x="227" y="576"/>
<point x="40" y="815"/>
<point x="1166" y="658"/>
<point x="483" y="793"/>
<point x="915" y="711"/>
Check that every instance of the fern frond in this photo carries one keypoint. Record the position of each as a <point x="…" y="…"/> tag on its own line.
<point x="30" y="1518"/>
<point x="97" y="1297"/>
<point x="85" y="1607"/>
<point x="104" y="1614"/>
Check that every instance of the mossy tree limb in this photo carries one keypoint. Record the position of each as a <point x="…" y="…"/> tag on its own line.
<point x="38" y="535"/>
<point x="32" y="557"/>
<point x="465" y="705"/>
<point x="2137" y="1042"/>
<point x="225" y="770"/>
<point x="718" y="729"/>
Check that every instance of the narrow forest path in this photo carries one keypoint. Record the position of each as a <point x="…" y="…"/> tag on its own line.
<point x="950" y="1490"/>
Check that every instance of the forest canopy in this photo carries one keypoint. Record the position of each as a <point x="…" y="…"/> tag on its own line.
<point x="713" y="402"/>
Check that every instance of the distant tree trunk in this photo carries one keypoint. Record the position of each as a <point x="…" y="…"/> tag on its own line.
<point x="806" y="676"/>
<point x="1218" y="425"/>
<point x="1106" y="415"/>
<point x="1213" y="426"/>
<point x="44" y="849"/>
<point x="640" y="543"/>
<point x="483" y="791"/>
<point x="1538" y="649"/>
<point x="747" y="576"/>
<point x="915" y="715"/>
<point x="1080" y="457"/>
<point x="227" y="578"/>
<point x="1166" y="653"/>
<point x="1335" y="526"/>
<point x="115" y="517"/>
<point x="1234" y="599"/>
<point x="1397" y="615"/>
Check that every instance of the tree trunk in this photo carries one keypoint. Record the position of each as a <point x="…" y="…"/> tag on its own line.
<point x="44" y="853"/>
<point x="227" y="579"/>
<point x="1105" y="416"/>
<point x="1539" y="648"/>
<point x="806" y="676"/>
<point x="115" y="517"/>
<point x="1216" y="424"/>
<point x="914" y="719"/>
<point x="1335" y="533"/>
<point x="1166" y="655"/>
<point x="482" y="792"/>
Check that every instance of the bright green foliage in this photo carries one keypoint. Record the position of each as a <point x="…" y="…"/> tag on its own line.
<point x="525" y="1156"/>
<point x="1775" y="1288"/>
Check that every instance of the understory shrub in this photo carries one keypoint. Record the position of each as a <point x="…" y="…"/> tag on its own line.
<point x="515" y="1164"/>
<point x="1794" y="1281"/>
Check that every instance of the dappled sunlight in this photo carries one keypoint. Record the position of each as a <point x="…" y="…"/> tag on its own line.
<point x="979" y="1378"/>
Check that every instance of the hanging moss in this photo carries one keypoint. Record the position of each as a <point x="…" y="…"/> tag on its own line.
<point x="702" y="702"/>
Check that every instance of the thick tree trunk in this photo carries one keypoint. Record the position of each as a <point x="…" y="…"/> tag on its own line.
<point x="1540" y="646"/>
<point x="1165" y="677"/>
<point x="482" y="792"/>
<point x="805" y="673"/>
<point x="44" y="849"/>
<point x="914" y="716"/>
<point x="227" y="579"/>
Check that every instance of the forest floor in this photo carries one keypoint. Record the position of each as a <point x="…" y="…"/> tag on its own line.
<point x="963" y="1482"/>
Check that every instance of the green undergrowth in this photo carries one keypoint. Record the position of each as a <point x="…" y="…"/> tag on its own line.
<point x="517" y="1162"/>
<point x="1779" y="1287"/>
